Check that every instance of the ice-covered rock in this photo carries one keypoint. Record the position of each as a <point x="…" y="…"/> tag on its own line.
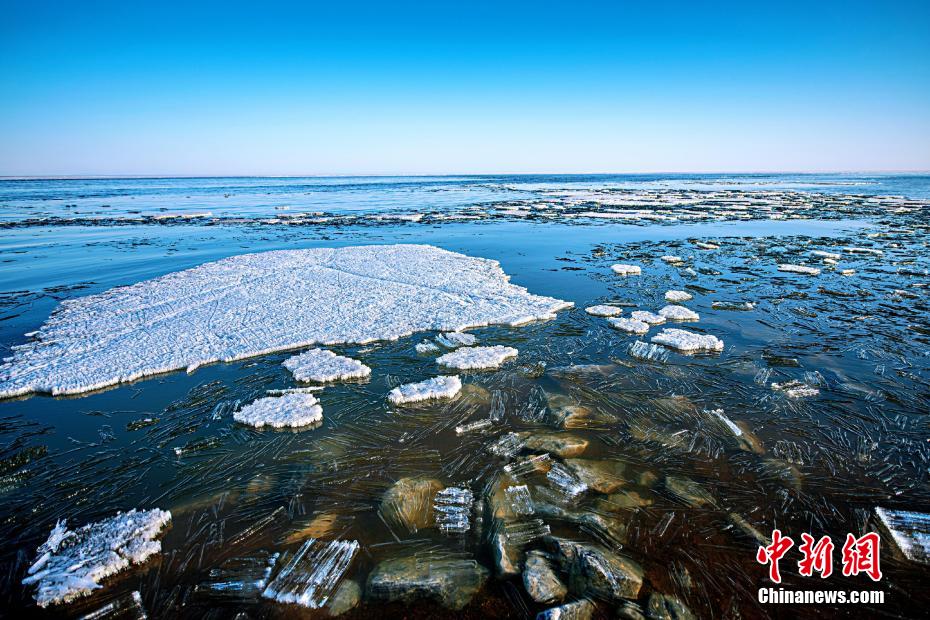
<point x="688" y="342"/>
<point x="290" y="410"/>
<point x="324" y="366"/>
<point x="437" y="387"/>
<point x="679" y="313"/>
<point x="803" y="269"/>
<point x="667" y="607"/>
<point x="254" y="304"/>
<point x="631" y="326"/>
<point x="72" y="563"/>
<point x="541" y="581"/>
<point x="677" y="296"/>
<point x="409" y="502"/>
<point x="595" y="571"/>
<point x="647" y="317"/>
<point x="473" y="358"/>
<point x="603" y="310"/>
<point x="626" y="270"/>
<point x="910" y="531"/>
<point x="449" y="580"/>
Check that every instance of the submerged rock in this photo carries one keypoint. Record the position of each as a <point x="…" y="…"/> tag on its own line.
<point x="595" y="571"/>
<point x="409" y="502"/>
<point x="560" y="444"/>
<point x="540" y="580"/>
<point x="667" y="607"/>
<point x="689" y="491"/>
<point x="451" y="582"/>
<point x="345" y="598"/>
<point x="576" y="610"/>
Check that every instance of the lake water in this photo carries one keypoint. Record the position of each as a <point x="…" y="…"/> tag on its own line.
<point x="818" y="464"/>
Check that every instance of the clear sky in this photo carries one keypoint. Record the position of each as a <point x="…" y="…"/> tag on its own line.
<point x="465" y="87"/>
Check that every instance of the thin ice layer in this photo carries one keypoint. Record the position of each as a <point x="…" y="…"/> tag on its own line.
<point x="471" y="358"/>
<point x="437" y="387"/>
<point x="72" y="563"/>
<point x="324" y="366"/>
<point x="292" y="410"/>
<point x="258" y="303"/>
<point x="686" y="341"/>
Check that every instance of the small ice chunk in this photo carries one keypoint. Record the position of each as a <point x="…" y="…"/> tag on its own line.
<point x="910" y="531"/>
<point x="452" y="507"/>
<point x="679" y="313"/>
<point x="629" y="325"/>
<point x="437" y="387"/>
<point x="471" y="427"/>
<point x="688" y="342"/>
<point x="677" y="296"/>
<point x="603" y="310"/>
<point x="72" y="563"/>
<point x="718" y="413"/>
<point x="847" y="272"/>
<point x="324" y="366"/>
<point x="565" y="482"/>
<point x="473" y="358"/>
<point x="426" y="347"/>
<point x="647" y="317"/>
<point x="291" y="410"/>
<point x="452" y="340"/>
<point x="507" y="445"/>
<point x="126" y="607"/>
<point x="804" y="269"/>
<point x="673" y="260"/>
<point x="520" y="501"/>
<point x="311" y="575"/>
<point x="626" y="270"/>
<point x="651" y="352"/>
<point x="823" y="254"/>
<point x="705" y="245"/>
<point x="796" y="389"/>
<point x="872" y="251"/>
<point x="241" y="578"/>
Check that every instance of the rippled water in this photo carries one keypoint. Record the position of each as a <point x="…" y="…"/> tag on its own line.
<point x="819" y="464"/>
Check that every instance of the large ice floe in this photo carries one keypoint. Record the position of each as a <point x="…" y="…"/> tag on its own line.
<point x="437" y="387"/>
<point x="253" y="304"/>
<point x="688" y="342"/>
<point x="474" y="358"/>
<point x="325" y="366"/>
<point x="293" y="410"/>
<point x="72" y="563"/>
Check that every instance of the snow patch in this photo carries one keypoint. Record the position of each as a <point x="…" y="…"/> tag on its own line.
<point x="291" y="410"/>
<point x="647" y="317"/>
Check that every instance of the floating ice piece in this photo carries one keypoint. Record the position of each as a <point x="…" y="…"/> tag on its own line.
<point x="452" y="507"/>
<point x="910" y="531"/>
<point x="472" y="427"/>
<point x="678" y="296"/>
<point x="291" y="410"/>
<point x="507" y="445"/>
<point x="808" y="271"/>
<point x="647" y="317"/>
<point x="426" y="347"/>
<point x="673" y="260"/>
<point x="854" y="250"/>
<point x="796" y="389"/>
<point x="847" y="272"/>
<point x="744" y="306"/>
<point x="626" y="270"/>
<point x="312" y="574"/>
<point x="324" y="366"/>
<point x="71" y="563"/>
<point x="651" y="352"/>
<point x="520" y="501"/>
<point x="629" y="325"/>
<point x="704" y="245"/>
<point x="451" y="340"/>
<point x="437" y="387"/>
<point x="126" y="607"/>
<point x="686" y="341"/>
<point x="241" y="578"/>
<point x="823" y="254"/>
<point x="259" y="303"/>
<point x="679" y="313"/>
<point x="718" y="413"/>
<point x="472" y="358"/>
<point x="565" y="482"/>
<point x="532" y="465"/>
<point x="603" y="310"/>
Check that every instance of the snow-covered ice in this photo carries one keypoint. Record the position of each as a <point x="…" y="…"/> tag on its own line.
<point x="677" y="296"/>
<point x="437" y="387"/>
<point x="470" y="358"/>
<point x="603" y="310"/>
<point x="804" y="269"/>
<point x="796" y="389"/>
<point x="452" y="340"/>
<point x="686" y="341"/>
<point x="426" y="347"/>
<point x="72" y="563"/>
<point x="673" y="260"/>
<point x="254" y="304"/>
<point x="626" y="270"/>
<point x="647" y="317"/>
<point x="679" y="313"/>
<point x="324" y="366"/>
<point x="631" y="326"/>
<point x="824" y="254"/>
<point x="312" y="574"/>
<point x="291" y="410"/>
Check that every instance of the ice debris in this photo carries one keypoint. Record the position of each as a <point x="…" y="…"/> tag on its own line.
<point x="312" y="574"/>
<point x="647" y="317"/>
<point x="325" y="366"/>
<point x="626" y="270"/>
<point x="451" y="340"/>
<point x="291" y="410"/>
<point x="426" y="347"/>
<point x="673" y="260"/>
<point x="795" y="389"/>
<point x="474" y="358"/>
<point x="437" y="387"/>
<point x="72" y="563"/>
<point x="804" y="269"/>
<point x="679" y="313"/>
<point x="603" y="310"/>
<point x="678" y="296"/>
<point x="452" y="507"/>
<point x="629" y="325"/>
<point x="688" y="342"/>
<point x="254" y="304"/>
<point x="910" y="531"/>
<point x="650" y="352"/>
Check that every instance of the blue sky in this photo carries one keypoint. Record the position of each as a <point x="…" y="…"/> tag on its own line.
<point x="393" y="88"/>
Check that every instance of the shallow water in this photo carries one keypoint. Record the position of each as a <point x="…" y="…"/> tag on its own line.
<point x="818" y="464"/>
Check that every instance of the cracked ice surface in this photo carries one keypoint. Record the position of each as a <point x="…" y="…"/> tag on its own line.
<point x="688" y="342"/>
<point x="292" y="410"/>
<point x="324" y="366"/>
<point x="259" y="303"/>
<point x="469" y="358"/>
<point x="71" y="563"/>
<point x="437" y="387"/>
